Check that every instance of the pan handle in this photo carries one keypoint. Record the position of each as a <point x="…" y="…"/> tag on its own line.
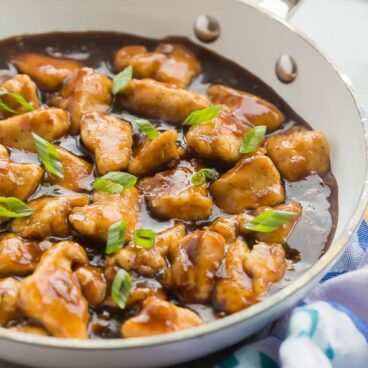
<point x="281" y="8"/>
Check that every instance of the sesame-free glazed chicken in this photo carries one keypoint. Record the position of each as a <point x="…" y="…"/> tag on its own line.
<point x="148" y="187"/>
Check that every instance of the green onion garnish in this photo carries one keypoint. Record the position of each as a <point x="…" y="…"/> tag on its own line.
<point x="252" y="138"/>
<point x="20" y="99"/>
<point x="202" y="175"/>
<point x="144" y="238"/>
<point x="269" y="220"/>
<point x="116" y="236"/>
<point x="14" y="207"/>
<point x="115" y="182"/>
<point x="202" y="116"/>
<point x="48" y="156"/>
<point x="147" y="128"/>
<point x="122" y="79"/>
<point x="120" y="288"/>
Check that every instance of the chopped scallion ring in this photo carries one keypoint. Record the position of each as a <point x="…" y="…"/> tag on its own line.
<point x="120" y="288"/>
<point x="269" y="220"/>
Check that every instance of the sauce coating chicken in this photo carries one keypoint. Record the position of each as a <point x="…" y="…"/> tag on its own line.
<point x="298" y="153"/>
<point x="49" y="123"/>
<point x="247" y="275"/>
<point x="169" y="63"/>
<point x="93" y="221"/>
<point x="52" y="294"/>
<point x="48" y="72"/>
<point x="171" y="195"/>
<point x="219" y="138"/>
<point x="109" y="138"/>
<point x="247" y="106"/>
<point x="194" y="261"/>
<point x="157" y="317"/>
<point x="23" y="86"/>
<point x="9" y="291"/>
<point x="84" y="91"/>
<point x="50" y="217"/>
<point x="157" y="100"/>
<point x="252" y="183"/>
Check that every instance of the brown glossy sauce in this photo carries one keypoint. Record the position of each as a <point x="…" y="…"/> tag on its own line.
<point x="318" y="195"/>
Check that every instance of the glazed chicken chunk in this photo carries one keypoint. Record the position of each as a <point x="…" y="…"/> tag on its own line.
<point x="171" y="195"/>
<point x="169" y="63"/>
<point x="233" y="226"/>
<point x="85" y="90"/>
<point x="50" y="217"/>
<point x="93" y="221"/>
<point x="158" y="317"/>
<point x="18" y="256"/>
<point x="18" y="180"/>
<point x="157" y="100"/>
<point x="48" y="72"/>
<point x="30" y="329"/>
<point x="252" y="183"/>
<point x="77" y="172"/>
<point x="218" y="139"/>
<point x="194" y="261"/>
<point x="149" y="262"/>
<point x="298" y="153"/>
<point x="247" y="106"/>
<point x="52" y="294"/>
<point x="23" y="86"/>
<point x="9" y="292"/>
<point x="156" y="154"/>
<point x="109" y="138"/>
<point x="247" y="275"/>
<point x="49" y="123"/>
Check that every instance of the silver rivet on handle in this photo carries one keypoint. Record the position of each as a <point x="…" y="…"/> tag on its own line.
<point x="207" y="28"/>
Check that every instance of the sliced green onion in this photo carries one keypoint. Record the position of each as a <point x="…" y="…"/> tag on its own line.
<point x="120" y="288"/>
<point x="202" y="175"/>
<point x="122" y="79"/>
<point x="20" y="99"/>
<point x="144" y="238"/>
<point x="48" y="156"/>
<point x="147" y="128"/>
<point x="269" y="220"/>
<point x="14" y="207"/>
<point x="115" y="182"/>
<point x="202" y="116"/>
<point x="252" y="138"/>
<point x="116" y="237"/>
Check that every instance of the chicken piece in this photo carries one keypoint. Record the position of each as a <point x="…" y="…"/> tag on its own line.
<point x="19" y="257"/>
<point x="48" y="123"/>
<point x="233" y="226"/>
<point x="298" y="153"/>
<point x="219" y="138"/>
<point x="159" y="317"/>
<point x="252" y="183"/>
<point x="109" y="138"/>
<point x="93" y="221"/>
<point x="50" y="217"/>
<point x="247" y="106"/>
<point x="171" y="195"/>
<point x="23" y="86"/>
<point x="149" y="262"/>
<point x="48" y="72"/>
<point x="9" y="293"/>
<point x="194" y="261"/>
<point x="52" y="294"/>
<point x="247" y="275"/>
<point x="156" y="154"/>
<point x="78" y="175"/>
<point x="169" y="63"/>
<point x="84" y="91"/>
<point x="93" y="283"/>
<point x="157" y="100"/>
<point x="18" y="180"/>
<point x="30" y="329"/>
<point x="144" y="288"/>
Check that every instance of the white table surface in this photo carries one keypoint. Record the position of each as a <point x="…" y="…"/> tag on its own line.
<point x="340" y="27"/>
